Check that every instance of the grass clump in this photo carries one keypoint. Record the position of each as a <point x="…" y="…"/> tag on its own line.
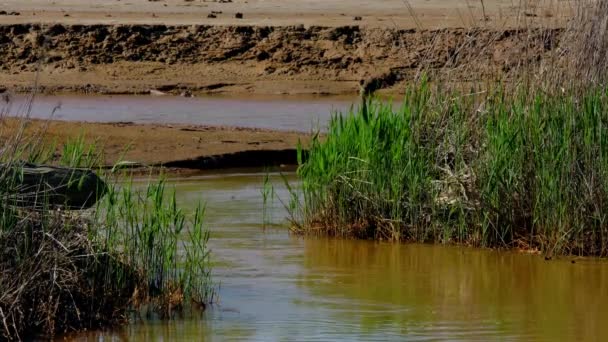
<point x="491" y="169"/>
<point x="135" y="252"/>
<point x="153" y="235"/>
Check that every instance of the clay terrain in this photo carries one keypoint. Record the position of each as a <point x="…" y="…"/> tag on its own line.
<point x="268" y="60"/>
<point x="278" y="47"/>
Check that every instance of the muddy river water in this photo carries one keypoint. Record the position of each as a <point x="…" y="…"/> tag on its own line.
<point x="274" y="286"/>
<point x="300" y="113"/>
<point x="277" y="287"/>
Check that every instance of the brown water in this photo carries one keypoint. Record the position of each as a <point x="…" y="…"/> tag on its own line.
<point x="274" y="286"/>
<point x="300" y="113"/>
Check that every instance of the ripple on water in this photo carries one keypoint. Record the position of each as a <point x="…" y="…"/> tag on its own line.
<point x="279" y="287"/>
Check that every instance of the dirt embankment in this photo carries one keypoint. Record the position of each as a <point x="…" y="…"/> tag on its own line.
<point x="173" y="146"/>
<point x="255" y="59"/>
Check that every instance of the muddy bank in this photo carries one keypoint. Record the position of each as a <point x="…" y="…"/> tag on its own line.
<point x="240" y="159"/>
<point x="140" y="59"/>
<point x="173" y="146"/>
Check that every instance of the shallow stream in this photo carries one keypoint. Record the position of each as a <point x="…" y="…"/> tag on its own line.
<point x="273" y="112"/>
<point x="276" y="286"/>
<point x="279" y="287"/>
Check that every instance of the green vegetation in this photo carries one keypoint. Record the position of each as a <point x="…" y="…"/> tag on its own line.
<point x="495" y="169"/>
<point x="60" y="270"/>
<point x="268" y="197"/>
<point x="77" y="153"/>
<point x="152" y="235"/>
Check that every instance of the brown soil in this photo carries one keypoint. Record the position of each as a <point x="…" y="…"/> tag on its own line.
<point x="427" y="14"/>
<point x="256" y="59"/>
<point x="179" y="146"/>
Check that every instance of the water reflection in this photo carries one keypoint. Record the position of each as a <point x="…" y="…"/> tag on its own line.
<point x="458" y="292"/>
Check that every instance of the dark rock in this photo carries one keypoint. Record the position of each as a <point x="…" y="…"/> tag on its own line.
<point x="262" y="55"/>
<point x="39" y="186"/>
<point x="239" y="15"/>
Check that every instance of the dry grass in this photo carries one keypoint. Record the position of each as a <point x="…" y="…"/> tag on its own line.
<point x="54" y="280"/>
<point x="585" y="47"/>
<point x="63" y="271"/>
<point x="553" y="54"/>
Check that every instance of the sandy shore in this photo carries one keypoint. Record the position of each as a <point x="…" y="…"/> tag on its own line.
<point x="179" y="146"/>
<point x="420" y="14"/>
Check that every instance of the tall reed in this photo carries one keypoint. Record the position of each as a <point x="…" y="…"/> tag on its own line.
<point x="61" y="270"/>
<point x="492" y="169"/>
<point x="167" y="247"/>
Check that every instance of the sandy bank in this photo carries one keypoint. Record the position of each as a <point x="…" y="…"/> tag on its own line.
<point x="427" y="14"/>
<point x="177" y="146"/>
<point x="139" y="59"/>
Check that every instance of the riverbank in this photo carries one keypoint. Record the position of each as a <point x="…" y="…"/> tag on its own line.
<point x="64" y="270"/>
<point x="176" y="146"/>
<point x="525" y="170"/>
<point x="201" y="59"/>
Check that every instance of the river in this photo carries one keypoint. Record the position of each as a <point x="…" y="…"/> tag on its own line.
<point x="301" y="113"/>
<point x="274" y="286"/>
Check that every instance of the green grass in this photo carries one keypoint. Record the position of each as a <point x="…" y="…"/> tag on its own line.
<point x="136" y="252"/>
<point x="76" y="152"/>
<point x="491" y="169"/>
<point x="168" y="247"/>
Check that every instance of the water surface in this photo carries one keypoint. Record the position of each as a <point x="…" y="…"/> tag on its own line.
<point x="300" y="113"/>
<point x="275" y="286"/>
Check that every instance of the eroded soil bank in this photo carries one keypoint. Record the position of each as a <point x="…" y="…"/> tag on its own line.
<point x="195" y="59"/>
<point x="175" y="146"/>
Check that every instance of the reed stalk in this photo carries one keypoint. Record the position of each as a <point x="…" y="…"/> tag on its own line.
<point x="494" y="169"/>
<point x="134" y="254"/>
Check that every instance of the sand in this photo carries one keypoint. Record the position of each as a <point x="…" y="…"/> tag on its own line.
<point x="288" y="69"/>
<point x="183" y="146"/>
<point x="427" y="14"/>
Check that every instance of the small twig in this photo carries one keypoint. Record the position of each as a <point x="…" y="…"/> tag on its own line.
<point x="57" y="241"/>
<point x="4" y="322"/>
